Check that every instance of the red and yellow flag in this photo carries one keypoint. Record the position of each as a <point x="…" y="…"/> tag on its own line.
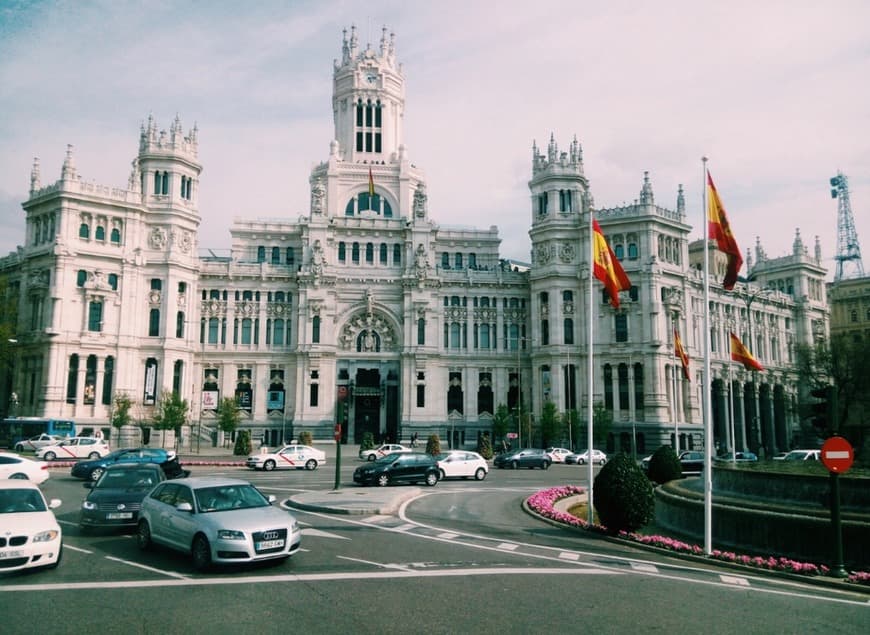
<point x="719" y="230"/>
<point x="371" y="183"/>
<point x="681" y="353"/>
<point x="739" y="353"/>
<point x="606" y="267"/>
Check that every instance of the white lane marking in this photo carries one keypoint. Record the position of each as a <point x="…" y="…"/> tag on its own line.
<point x="385" y="565"/>
<point x="448" y="535"/>
<point x="506" y="546"/>
<point x="645" y="567"/>
<point x="734" y="579"/>
<point x="311" y="531"/>
<point x="304" y="577"/>
<point x="568" y="555"/>
<point x="79" y="549"/>
<point x="171" y="574"/>
<point x="405" y="527"/>
<point x="378" y="518"/>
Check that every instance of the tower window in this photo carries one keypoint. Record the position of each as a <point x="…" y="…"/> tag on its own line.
<point x="154" y="323"/>
<point x="84" y="231"/>
<point x="368" y="126"/>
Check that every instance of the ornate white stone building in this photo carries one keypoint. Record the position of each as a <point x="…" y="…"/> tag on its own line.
<point x="416" y="326"/>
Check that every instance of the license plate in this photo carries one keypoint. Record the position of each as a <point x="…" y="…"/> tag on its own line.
<point x="119" y="515"/>
<point x="15" y="554"/>
<point x="269" y="544"/>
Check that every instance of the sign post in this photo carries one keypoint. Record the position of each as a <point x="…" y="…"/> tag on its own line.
<point x="837" y="456"/>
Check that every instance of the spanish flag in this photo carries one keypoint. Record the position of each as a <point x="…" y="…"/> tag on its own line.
<point x="606" y="267"/>
<point x="739" y="353"/>
<point x="681" y="353"/>
<point x="719" y="230"/>
<point x="371" y="183"/>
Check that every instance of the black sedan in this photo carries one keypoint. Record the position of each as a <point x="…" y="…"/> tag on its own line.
<point x="115" y="499"/>
<point x="404" y="467"/>
<point x="524" y="457"/>
<point x="92" y="470"/>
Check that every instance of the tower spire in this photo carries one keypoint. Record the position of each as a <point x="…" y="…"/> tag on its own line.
<point x="848" y="258"/>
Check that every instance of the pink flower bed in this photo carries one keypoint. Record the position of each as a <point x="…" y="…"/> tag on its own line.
<point x="543" y="503"/>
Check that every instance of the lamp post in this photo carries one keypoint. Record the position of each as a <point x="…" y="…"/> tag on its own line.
<point x="748" y="299"/>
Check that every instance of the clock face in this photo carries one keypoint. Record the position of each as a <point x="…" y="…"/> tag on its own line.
<point x="371" y="78"/>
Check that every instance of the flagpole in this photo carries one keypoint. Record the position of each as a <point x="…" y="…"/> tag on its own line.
<point x="706" y="386"/>
<point x="731" y="416"/>
<point x="589" y="369"/>
<point x="674" y="391"/>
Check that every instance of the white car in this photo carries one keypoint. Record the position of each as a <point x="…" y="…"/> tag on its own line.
<point x="802" y="455"/>
<point x="598" y="457"/>
<point x="31" y="537"/>
<point x="290" y="457"/>
<point x="34" y="443"/>
<point x="74" y="448"/>
<point x="558" y="454"/>
<point x="19" y="467"/>
<point x="382" y="450"/>
<point x="462" y="464"/>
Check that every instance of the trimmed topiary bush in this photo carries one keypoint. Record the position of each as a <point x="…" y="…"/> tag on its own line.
<point x="368" y="441"/>
<point x="243" y="443"/>
<point x="664" y="465"/>
<point x="484" y="446"/>
<point x="433" y="445"/>
<point x="623" y="495"/>
<point x="305" y="438"/>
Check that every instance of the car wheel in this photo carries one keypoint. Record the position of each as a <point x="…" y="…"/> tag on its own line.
<point x="96" y="473"/>
<point x="54" y="564"/>
<point x="49" y="456"/>
<point x="94" y="455"/>
<point x="19" y="448"/>
<point x="480" y="474"/>
<point x="20" y="476"/>
<point x="514" y="465"/>
<point x="383" y="480"/>
<point x="432" y="479"/>
<point x="143" y="535"/>
<point x="602" y="462"/>
<point x="546" y="465"/>
<point x="442" y="475"/>
<point x="201" y="552"/>
<point x="311" y="464"/>
<point x="370" y="457"/>
<point x="581" y="462"/>
<point x="269" y="465"/>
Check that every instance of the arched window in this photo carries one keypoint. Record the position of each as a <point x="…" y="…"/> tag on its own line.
<point x="568" y="329"/>
<point x="567" y="296"/>
<point x="72" y="379"/>
<point x="484" y="336"/>
<point x="90" y="380"/>
<point x="457" y="260"/>
<point x="108" y="380"/>
<point x="608" y="387"/>
<point x="261" y="254"/>
<point x="84" y="231"/>
<point x="100" y="233"/>
<point x="421" y="332"/>
<point x="177" y="376"/>
<point x="383" y="253"/>
<point x="276" y="255"/>
<point x="278" y="333"/>
<point x="342" y="252"/>
<point x="213" y="324"/>
<point x="545" y="332"/>
<point x="632" y="251"/>
<point x="315" y="330"/>
<point x="113" y="281"/>
<point x="81" y="278"/>
<point x="397" y="255"/>
<point x="472" y="261"/>
<point x="154" y="323"/>
<point x="247" y="330"/>
<point x="622" y="378"/>
<point x="290" y="257"/>
<point x="354" y="253"/>
<point x="445" y="260"/>
<point x="455" y="335"/>
<point x="179" y="324"/>
<point x="370" y="253"/>
<point x="618" y="252"/>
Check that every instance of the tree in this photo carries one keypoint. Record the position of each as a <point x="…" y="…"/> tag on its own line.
<point x="228" y="416"/>
<point x="501" y="421"/>
<point x="624" y="498"/>
<point x="121" y="406"/>
<point x="171" y="413"/>
<point x="433" y="445"/>
<point x="243" y="443"/>
<point x="484" y="446"/>
<point x="550" y="424"/>
<point x="664" y="465"/>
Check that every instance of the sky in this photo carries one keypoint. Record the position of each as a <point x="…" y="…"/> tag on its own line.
<point x="774" y="93"/>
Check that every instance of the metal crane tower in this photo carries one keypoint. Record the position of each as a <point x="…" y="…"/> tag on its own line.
<point x="848" y="249"/>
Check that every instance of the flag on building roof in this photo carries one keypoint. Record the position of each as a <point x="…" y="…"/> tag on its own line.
<point x="719" y="229"/>
<point x="681" y="353"/>
<point x="739" y="353"/>
<point x="606" y="267"/>
<point x="371" y="183"/>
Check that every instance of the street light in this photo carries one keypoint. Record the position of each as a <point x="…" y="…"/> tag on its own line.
<point x="748" y="299"/>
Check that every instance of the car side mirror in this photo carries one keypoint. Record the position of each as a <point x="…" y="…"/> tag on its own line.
<point x="88" y="485"/>
<point x="54" y="503"/>
<point x="184" y="507"/>
<point x="271" y="498"/>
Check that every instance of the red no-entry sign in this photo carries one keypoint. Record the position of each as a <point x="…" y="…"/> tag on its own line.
<point x="837" y="455"/>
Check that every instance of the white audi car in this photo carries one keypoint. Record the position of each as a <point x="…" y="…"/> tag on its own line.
<point x="290" y="457"/>
<point x="20" y="467"/>
<point x="29" y="534"/>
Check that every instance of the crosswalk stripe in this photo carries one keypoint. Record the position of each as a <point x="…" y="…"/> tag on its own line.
<point x="507" y="546"/>
<point x="568" y="555"/>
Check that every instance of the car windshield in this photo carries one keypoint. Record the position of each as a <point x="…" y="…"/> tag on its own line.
<point x="226" y="497"/>
<point x="14" y="501"/>
<point x="127" y="479"/>
<point x="389" y="458"/>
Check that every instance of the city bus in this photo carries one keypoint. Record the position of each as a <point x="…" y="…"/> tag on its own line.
<point x="17" y="429"/>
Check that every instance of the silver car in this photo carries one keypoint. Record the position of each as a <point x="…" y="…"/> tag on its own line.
<point x="217" y="521"/>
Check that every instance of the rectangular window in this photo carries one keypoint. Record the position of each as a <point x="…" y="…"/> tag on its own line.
<point x="154" y="323"/>
<point x="95" y="316"/>
<point x="213" y="331"/>
<point x="247" y="325"/>
<point x="421" y="395"/>
<point x="314" y="395"/>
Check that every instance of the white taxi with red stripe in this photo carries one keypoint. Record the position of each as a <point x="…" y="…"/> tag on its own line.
<point x="74" y="448"/>
<point x="290" y="457"/>
<point x="381" y="451"/>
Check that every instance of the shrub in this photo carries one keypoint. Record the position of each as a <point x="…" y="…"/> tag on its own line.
<point x="664" y="465"/>
<point x="622" y="495"/>
<point x="305" y="438"/>
<point x="368" y="441"/>
<point x="484" y="446"/>
<point x="433" y="445"/>
<point x="243" y="443"/>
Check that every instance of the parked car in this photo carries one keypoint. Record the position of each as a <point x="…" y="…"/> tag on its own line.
<point x="34" y="443"/>
<point x="803" y="455"/>
<point x="558" y="455"/>
<point x="382" y="450"/>
<point x="692" y="461"/>
<point x="598" y="457"/>
<point x="524" y="457"/>
<point x="290" y="457"/>
<point x="74" y="448"/>
<point x="462" y="464"/>
<point x="399" y="467"/>
<point x="92" y="470"/>
<point x="31" y="536"/>
<point x="217" y="521"/>
<point x="115" y="498"/>
<point x="20" y="467"/>
<point x="740" y="457"/>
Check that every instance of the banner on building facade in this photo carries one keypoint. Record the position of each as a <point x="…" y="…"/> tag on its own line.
<point x="275" y="401"/>
<point x="150" y="395"/>
<point x="210" y="399"/>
